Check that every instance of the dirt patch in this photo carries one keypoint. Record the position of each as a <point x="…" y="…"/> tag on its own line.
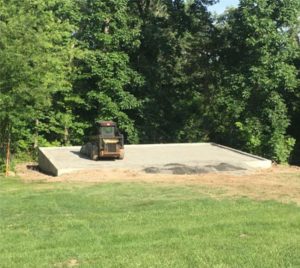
<point x="68" y="263"/>
<point x="279" y="182"/>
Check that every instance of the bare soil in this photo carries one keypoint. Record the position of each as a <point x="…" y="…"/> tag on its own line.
<point x="280" y="183"/>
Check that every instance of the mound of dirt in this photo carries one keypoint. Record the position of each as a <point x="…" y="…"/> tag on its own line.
<point x="279" y="182"/>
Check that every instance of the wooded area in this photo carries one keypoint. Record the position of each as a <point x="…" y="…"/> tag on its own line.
<point x="164" y="70"/>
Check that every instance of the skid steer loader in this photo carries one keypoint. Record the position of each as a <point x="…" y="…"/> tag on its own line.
<point x="107" y="143"/>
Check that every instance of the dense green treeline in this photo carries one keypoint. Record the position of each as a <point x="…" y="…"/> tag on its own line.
<point x="165" y="70"/>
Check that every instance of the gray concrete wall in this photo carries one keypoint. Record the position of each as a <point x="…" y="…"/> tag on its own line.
<point x="45" y="163"/>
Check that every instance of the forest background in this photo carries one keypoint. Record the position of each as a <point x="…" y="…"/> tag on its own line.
<point x="164" y="70"/>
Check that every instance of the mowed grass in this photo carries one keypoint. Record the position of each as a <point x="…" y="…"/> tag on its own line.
<point x="141" y="225"/>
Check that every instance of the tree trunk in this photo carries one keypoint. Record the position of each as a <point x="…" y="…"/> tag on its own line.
<point x="36" y="135"/>
<point x="7" y="163"/>
<point x="66" y="136"/>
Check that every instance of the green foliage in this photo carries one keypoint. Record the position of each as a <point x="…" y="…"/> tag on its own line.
<point x="166" y="59"/>
<point x="165" y="71"/>
<point x="259" y="48"/>
<point x="33" y="65"/>
<point x="106" y="34"/>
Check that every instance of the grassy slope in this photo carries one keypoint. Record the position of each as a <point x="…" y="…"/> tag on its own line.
<point x="141" y="225"/>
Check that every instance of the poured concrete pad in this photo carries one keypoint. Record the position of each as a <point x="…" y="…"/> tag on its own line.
<point x="189" y="158"/>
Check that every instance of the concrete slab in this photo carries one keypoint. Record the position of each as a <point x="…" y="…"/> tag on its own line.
<point x="184" y="158"/>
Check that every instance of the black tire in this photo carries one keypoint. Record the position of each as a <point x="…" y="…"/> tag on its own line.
<point x="94" y="152"/>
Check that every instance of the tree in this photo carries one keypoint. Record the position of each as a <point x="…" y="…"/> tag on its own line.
<point x="293" y="104"/>
<point x="258" y="75"/>
<point x="167" y="29"/>
<point x="34" y="63"/>
<point x="107" y="33"/>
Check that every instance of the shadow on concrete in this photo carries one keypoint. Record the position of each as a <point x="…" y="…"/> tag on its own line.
<point x="181" y="169"/>
<point x="83" y="156"/>
<point x="80" y="155"/>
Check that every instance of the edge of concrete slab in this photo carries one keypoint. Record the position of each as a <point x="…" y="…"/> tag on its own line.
<point x="167" y="144"/>
<point x="46" y="164"/>
<point x="260" y="163"/>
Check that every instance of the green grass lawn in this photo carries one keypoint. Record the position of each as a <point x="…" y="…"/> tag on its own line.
<point x="141" y="225"/>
